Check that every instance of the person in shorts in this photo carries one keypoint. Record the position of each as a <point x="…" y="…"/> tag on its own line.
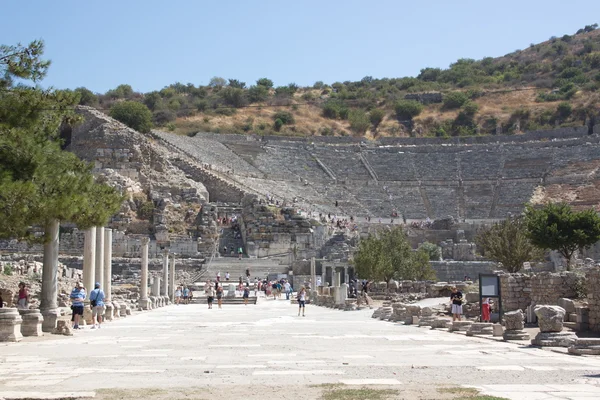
<point x="219" y="291"/>
<point x="97" y="305"/>
<point x="301" y="301"/>
<point x="23" y="302"/>
<point x="456" y="298"/>
<point x="178" y="295"/>
<point x="186" y="294"/>
<point x="210" y="294"/>
<point x="77" y="297"/>
<point x="246" y="295"/>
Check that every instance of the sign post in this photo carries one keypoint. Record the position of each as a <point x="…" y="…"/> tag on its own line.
<point x="489" y="286"/>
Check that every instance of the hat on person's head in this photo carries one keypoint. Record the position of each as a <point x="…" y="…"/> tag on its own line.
<point x="79" y="284"/>
<point x="97" y="285"/>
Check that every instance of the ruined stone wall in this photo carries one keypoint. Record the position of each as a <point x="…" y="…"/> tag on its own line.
<point x="548" y="287"/>
<point x="218" y="189"/>
<point x="456" y="270"/>
<point x="515" y="290"/>
<point x="593" y="297"/>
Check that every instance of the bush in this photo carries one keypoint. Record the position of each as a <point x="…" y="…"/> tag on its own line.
<point x="227" y="111"/>
<point x="278" y="124"/>
<point x="233" y="96"/>
<point x="201" y="105"/>
<point x="564" y="110"/>
<point x="285" y="117"/>
<point x="376" y="116"/>
<point x="265" y="83"/>
<point x="406" y="110"/>
<point x="8" y="270"/>
<point x="454" y="100"/>
<point x="258" y="93"/>
<point x="162" y="117"/>
<point x="359" y="121"/>
<point x="86" y="97"/>
<point x="133" y="114"/>
<point x="470" y="108"/>
<point x="335" y="110"/>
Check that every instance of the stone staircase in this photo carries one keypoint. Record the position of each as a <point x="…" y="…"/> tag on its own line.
<point x="228" y="240"/>
<point x="258" y="268"/>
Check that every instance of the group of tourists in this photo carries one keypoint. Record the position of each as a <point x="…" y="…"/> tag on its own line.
<point x="97" y="306"/>
<point x="183" y="295"/>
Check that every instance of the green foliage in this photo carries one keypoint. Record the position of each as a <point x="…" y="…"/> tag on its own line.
<point x="265" y="82"/>
<point x="507" y="242"/>
<point x="286" y="117"/>
<point x="564" y="110"/>
<point x="433" y="251"/>
<point x="234" y="83"/>
<point x="233" y="96"/>
<point x="406" y="110"/>
<point x="359" y="121"/>
<point x="388" y="255"/>
<point x="145" y="210"/>
<point x="557" y="227"/>
<point x="335" y="110"/>
<point x="376" y="116"/>
<point x="454" y="100"/>
<point x="86" y="97"/>
<point x="133" y="114"/>
<point x="120" y="92"/>
<point x="258" y="93"/>
<point x="163" y="117"/>
<point x="8" y="270"/>
<point x="22" y="62"/>
<point x="217" y="82"/>
<point x="278" y="124"/>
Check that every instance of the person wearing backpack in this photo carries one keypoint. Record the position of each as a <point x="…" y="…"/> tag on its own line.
<point x="97" y="305"/>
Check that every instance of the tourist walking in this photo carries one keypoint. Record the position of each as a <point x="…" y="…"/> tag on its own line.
<point x="240" y="253"/>
<point x="210" y="294"/>
<point x="227" y="276"/>
<point x="178" y="295"/>
<point x="485" y="309"/>
<point x="288" y="290"/>
<point x="219" y="276"/>
<point x="219" y="295"/>
<point x="246" y="295"/>
<point x="456" y="298"/>
<point x="23" y="301"/>
<point x="186" y="295"/>
<point x="77" y="297"/>
<point x="97" y="305"/>
<point x="301" y="300"/>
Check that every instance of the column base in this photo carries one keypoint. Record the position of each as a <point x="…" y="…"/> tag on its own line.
<point x="10" y="325"/>
<point x="109" y="312"/>
<point x="50" y="318"/>
<point x="145" y="304"/>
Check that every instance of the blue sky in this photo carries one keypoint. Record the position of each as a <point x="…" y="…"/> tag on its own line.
<point x="150" y="44"/>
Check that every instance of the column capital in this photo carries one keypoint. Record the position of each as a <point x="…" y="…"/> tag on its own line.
<point x="166" y="252"/>
<point x="145" y="241"/>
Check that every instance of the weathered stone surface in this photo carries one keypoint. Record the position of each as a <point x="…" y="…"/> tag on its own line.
<point x="63" y="327"/>
<point x="515" y="335"/>
<point x="567" y="304"/>
<point x="481" y="328"/>
<point x="461" y="326"/>
<point x="554" y="339"/>
<point x="32" y="322"/>
<point x="586" y="346"/>
<point x="550" y="318"/>
<point x="10" y="325"/>
<point x="513" y="320"/>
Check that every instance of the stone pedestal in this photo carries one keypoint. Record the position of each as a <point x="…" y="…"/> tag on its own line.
<point x="87" y="316"/>
<point x="63" y="327"/>
<point x="108" y="312"/>
<point x="230" y="290"/>
<point x="498" y="330"/>
<point x="554" y="339"/>
<point x="513" y="321"/>
<point x="326" y="291"/>
<point x="32" y="322"/>
<point x="588" y="347"/>
<point x="49" y="319"/>
<point x="123" y="310"/>
<point x="427" y="317"/>
<point x="462" y="326"/>
<point x="341" y="294"/>
<point x="439" y="323"/>
<point x="481" y="328"/>
<point x="10" y="325"/>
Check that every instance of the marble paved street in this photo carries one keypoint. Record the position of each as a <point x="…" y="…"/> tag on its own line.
<point x="267" y="344"/>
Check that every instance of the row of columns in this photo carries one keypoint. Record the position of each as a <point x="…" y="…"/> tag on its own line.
<point x="345" y="276"/>
<point x="168" y="278"/>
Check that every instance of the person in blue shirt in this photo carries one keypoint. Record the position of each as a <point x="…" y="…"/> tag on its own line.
<point x="186" y="295"/>
<point x="97" y="304"/>
<point x="77" y="297"/>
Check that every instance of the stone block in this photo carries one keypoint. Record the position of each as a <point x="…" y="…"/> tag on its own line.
<point x="50" y="318"/>
<point x="550" y="318"/>
<point x="515" y="335"/>
<point x="554" y="339"/>
<point x="462" y="326"/>
<point x="513" y="320"/>
<point x="63" y="327"/>
<point x="32" y="322"/>
<point x="567" y="304"/>
<point x="109" y="311"/>
<point x="481" y="328"/>
<point x="498" y="330"/>
<point x="10" y="325"/>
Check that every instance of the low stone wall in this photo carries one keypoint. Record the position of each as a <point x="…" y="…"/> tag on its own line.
<point x="515" y="290"/>
<point x="593" y="298"/>
<point x="548" y="287"/>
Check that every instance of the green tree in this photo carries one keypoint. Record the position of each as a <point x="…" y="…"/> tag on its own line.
<point x="376" y="116"/>
<point x="237" y="84"/>
<point x="22" y="62"/>
<point x="121" y="92"/>
<point x="133" y="114"/>
<point x="564" y="110"/>
<point x="433" y="250"/>
<point x="258" y="93"/>
<point x="454" y="100"/>
<point x="387" y="254"/>
<point x="285" y="116"/>
<point x="265" y="82"/>
<point x="406" y="110"/>
<point x="359" y="121"/>
<point x="86" y="97"/>
<point x="233" y="96"/>
<point x="558" y="227"/>
<point x="217" y="82"/>
<point x="507" y="242"/>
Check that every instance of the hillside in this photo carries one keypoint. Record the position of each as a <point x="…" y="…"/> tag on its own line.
<point x="554" y="83"/>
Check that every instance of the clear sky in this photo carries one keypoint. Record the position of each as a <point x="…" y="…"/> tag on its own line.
<point x="150" y="44"/>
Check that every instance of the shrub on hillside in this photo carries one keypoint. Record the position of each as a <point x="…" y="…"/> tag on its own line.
<point x="564" y="110"/>
<point x="278" y="124"/>
<point x="163" y="117"/>
<point x="265" y="82"/>
<point x="376" y="116"/>
<point x="86" y="97"/>
<point x="406" y="110"/>
<point x="335" y="110"/>
<point x="258" y="93"/>
<point x="454" y="100"/>
<point x="133" y="114"/>
<point x="359" y="121"/>
<point x="233" y="96"/>
<point x="285" y="117"/>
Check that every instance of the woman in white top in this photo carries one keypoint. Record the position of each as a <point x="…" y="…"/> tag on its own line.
<point x="301" y="301"/>
<point x="178" y="295"/>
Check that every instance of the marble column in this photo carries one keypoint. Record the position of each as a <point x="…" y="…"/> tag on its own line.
<point x="144" y="301"/>
<point x="338" y="278"/>
<point x="346" y="277"/>
<point x="99" y="273"/>
<point x="172" y="279"/>
<point x="89" y="259"/>
<point x="165" y="289"/>
<point x="313" y="274"/>
<point x="110" y="309"/>
<point x="49" y="304"/>
<point x="156" y="286"/>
